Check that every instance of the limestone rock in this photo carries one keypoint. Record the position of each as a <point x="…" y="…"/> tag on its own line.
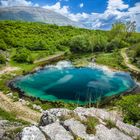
<point x="120" y="135"/>
<point x="77" y="128"/>
<point x="2" y="132"/>
<point x="103" y="133"/>
<point x="47" y="118"/>
<point x="129" y="129"/>
<point x="58" y="112"/>
<point x="100" y="113"/>
<point x="55" y="131"/>
<point x="32" y="133"/>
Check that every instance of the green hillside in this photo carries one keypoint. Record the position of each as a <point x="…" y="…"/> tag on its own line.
<point x="26" y="41"/>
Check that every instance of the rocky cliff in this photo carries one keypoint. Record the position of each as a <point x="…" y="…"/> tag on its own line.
<point x="79" y="124"/>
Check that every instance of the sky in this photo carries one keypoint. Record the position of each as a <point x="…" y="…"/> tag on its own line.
<point x="94" y="14"/>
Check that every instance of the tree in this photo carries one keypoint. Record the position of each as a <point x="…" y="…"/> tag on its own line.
<point x="118" y="30"/>
<point x="130" y="107"/>
<point x="3" y="45"/>
<point x="79" y="43"/>
<point x="2" y="59"/>
<point x="130" y="28"/>
<point x="23" y="56"/>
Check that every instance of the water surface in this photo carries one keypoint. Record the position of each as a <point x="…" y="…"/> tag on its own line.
<point x="78" y="85"/>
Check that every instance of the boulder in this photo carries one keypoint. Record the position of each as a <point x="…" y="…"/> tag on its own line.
<point x="32" y="133"/>
<point x="2" y="132"/>
<point x="103" y="133"/>
<point x="76" y="128"/>
<point x="55" y="131"/>
<point x="37" y="107"/>
<point x="94" y="112"/>
<point x="128" y="129"/>
<point x="120" y="135"/>
<point x="47" y="118"/>
<point x="58" y="112"/>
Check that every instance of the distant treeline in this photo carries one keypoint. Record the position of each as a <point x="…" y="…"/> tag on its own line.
<point x="27" y="37"/>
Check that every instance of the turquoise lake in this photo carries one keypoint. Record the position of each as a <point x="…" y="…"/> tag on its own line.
<point x="77" y="85"/>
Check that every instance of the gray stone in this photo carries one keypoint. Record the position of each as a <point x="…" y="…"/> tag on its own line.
<point x="10" y="94"/>
<point x="47" y="118"/>
<point x="58" y="112"/>
<point x="103" y="133"/>
<point x="129" y="129"/>
<point x="56" y="132"/>
<point x="94" y="112"/>
<point x="120" y="135"/>
<point x="37" y="107"/>
<point x="76" y="127"/>
<point x="2" y="132"/>
<point x="32" y="133"/>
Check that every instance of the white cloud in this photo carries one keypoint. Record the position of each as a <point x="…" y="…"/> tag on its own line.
<point x="116" y="10"/>
<point x="81" y="5"/>
<point x="5" y="3"/>
<point x="116" y="5"/>
<point x="57" y="8"/>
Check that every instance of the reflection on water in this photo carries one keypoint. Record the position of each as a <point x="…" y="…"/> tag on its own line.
<point x="65" y="82"/>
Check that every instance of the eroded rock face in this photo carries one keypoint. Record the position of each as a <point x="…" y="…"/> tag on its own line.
<point x="103" y="133"/>
<point x="52" y="127"/>
<point x="32" y="133"/>
<point x="129" y="129"/>
<point x="76" y="127"/>
<point x="55" y="131"/>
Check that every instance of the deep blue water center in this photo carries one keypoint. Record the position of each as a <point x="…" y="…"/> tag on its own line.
<point x="78" y="85"/>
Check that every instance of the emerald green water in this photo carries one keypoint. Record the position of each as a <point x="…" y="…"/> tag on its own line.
<point x="78" y="85"/>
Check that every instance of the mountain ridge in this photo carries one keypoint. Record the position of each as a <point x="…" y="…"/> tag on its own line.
<point x="36" y="14"/>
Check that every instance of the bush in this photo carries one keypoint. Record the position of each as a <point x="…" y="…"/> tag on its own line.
<point x="91" y="123"/>
<point x="2" y="59"/>
<point x="3" y="45"/>
<point x="23" y="55"/>
<point x="130" y="108"/>
<point x="79" y="43"/>
<point x="110" y="124"/>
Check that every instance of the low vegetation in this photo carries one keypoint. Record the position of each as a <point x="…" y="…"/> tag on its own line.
<point x="91" y="123"/>
<point x="11" y="117"/>
<point x="130" y="106"/>
<point x="134" y="54"/>
<point x="110" y="124"/>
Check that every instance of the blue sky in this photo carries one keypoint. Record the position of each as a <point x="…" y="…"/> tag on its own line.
<point x="95" y="14"/>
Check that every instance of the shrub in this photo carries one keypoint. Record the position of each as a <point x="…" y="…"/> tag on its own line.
<point x="2" y="59"/>
<point x="23" y="55"/>
<point x="130" y="108"/>
<point x="3" y="45"/>
<point x="110" y="124"/>
<point x="91" y="122"/>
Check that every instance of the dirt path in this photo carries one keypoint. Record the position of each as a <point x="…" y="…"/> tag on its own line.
<point x="21" y="111"/>
<point x="127" y="62"/>
<point x="8" y="69"/>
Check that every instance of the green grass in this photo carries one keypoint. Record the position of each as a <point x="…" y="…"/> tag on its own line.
<point x="91" y="124"/>
<point x="113" y="60"/>
<point x="110" y="124"/>
<point x="11" y="117"/>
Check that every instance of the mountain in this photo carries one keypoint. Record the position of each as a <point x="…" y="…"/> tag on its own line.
<point x="36" y="14"/>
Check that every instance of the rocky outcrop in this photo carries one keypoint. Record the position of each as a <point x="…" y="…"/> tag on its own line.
<point x="9" y="129"/>
<point x="55" y="131"/>
<point x="32" y="133"/>
<point x="64" y="124"/>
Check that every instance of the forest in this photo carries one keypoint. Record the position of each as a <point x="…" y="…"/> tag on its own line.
<point x="25" y="42"/>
